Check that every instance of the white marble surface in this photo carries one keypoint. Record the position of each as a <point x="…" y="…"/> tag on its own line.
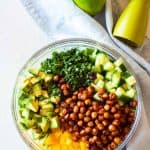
<point x="19" y="38"/>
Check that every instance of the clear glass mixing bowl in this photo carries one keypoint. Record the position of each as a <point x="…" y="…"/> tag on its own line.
<point x="63" y="45"/>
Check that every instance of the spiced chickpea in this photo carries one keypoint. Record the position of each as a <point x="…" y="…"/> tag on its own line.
<point x="113" y="110"/>
<point x="117" y="140"/>
<point x="133" y="103"/>
<point x="80" y="123"/>
<point x="87" y="119"/>
<point x="100" y="126"/>
<point x="90" y="124"/>
<point x="82" y="109"/>
<point x="88" y="102"/>
<point x="107" y="107"/>
<point x="94" y="131"/>
<point x="101" y="91"/>
<point x="88" y="129"/>
<point x="111" y="128"/>
<point x="94" y="115"/>
<point x="76" y="109"/>
<point x="80" y="116"/>
<point x="56" y="78"/>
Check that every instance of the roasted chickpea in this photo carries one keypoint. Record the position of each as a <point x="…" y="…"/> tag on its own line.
<point x="94" y="131"/>
<point x="112" y="128"/>
<point x="88" y="113"/>
<point x="88" y="102"/>
<point x="117" y="140"/>
<point x="90" y="90"/>
<point x="107" y="107"/>
<point x="66" y="92"/>
<point x="101" y="91"/>
<point x="133" y="103"/>
<point x="105" y="96"/>
<point x="113" y="110"/>
<point x="80" y="116"/>
<point x="90" y="124"/>
<point x="101" y="111"/>
<point x="82" y="109"/>
<point x="56" y="78"/>
<point x="116" y="122"/>
<point x="113" y="145"/>
<point x="117" y="116"/>
<point x="74" y="97"/>
<point x="83" y="96"/>
<point x="112" y="96"/>
<point x="100" y="126"/>
<point x="100" y="117"/>
<point x="87" y="119"/>
<point x="106" y="115"/>
<point x="105" y="123"/>
<point x="88" y="129"/>
<point x="68" y="100"/>
<point x="80" y="123"/>
<point x="82" y="132"/>
<point x="80" y="104"/>
<point x="73" y="116"/>
<point x="75" y="109"/>
<point x="94" y="115"/>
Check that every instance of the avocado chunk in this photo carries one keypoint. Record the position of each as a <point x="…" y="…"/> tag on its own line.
<point x="33" y="105"/>
<point x="54" y="122"/>
<point x="45" y="124"/>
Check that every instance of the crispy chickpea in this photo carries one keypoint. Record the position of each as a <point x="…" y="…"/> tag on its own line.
<point x="82" y="109"/>
<point x="105" y="96"/>
<point x="106" y="115"/>
<point x="127" y="110"/>
<point x="90" y="124"/>
<point x="100" y="126"/>
<point x="90" y="90"/>
<point x="94" y="138"/>
<point x="66" y="92"/>
<point x="101" y="111"/>
<point x="66" y="117"/>
<point x="80" y="116"/>
<point x="117" y="106"/>
<point x="88" y="102"/>
<point x="82" y="132"/>
<point x="133" y="103"/>
<point x="112" y="96"/>
<point x="57" y="110"/>
<point x="80" y="123"/>
<point x="74" y="97"/>
<point x="80" y="104"/>
<point x="64" y="111"/>
<point x="88" y="129"/>
<point x="109" y="102"/>
<point x="113" y="110"/>
<point x="107" y="107"/>
<point x="112" y="128"/>
<point x="94" y="115"/>
<point x="75" y="109"/>
<point x="73" y="116"/>
<point x="68" y="100"/>
<point x="87" y="119"/>
<point x="114" y="133"/>
<point x="79" y="96"/>
<point x="64" y="87"/>
<point x="116" y="122"/>
<point x="117" y="140"/>
<point x="96" y="122"/>
<point x="94" y="131"/>
<point x="71" y="123"/>
<point x="83" y="96"/>
<point x="117" y="116"/>
<point x="88" y="113"/>
<point x="100" y="117"/>
<point x="105" y="123"/>
<point x="61" y="80"/>
<point x="56" y="78"/>
<point x="101" y="91"/>
<point x="113" y="145"/>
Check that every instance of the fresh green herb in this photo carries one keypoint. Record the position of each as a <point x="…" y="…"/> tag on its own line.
<point x="74" y="65"/>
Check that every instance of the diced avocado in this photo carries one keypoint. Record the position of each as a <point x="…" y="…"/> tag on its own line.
<point x="48" y="107"/>
<point x="108" y="66"/>
<point x="26" y="123"/>
<point x="98" y="77"/>
<point x="26" y="113"/>
<point x="44" y="102"/>
<point x="131" y="93"/>
<point x="48" y="78"/>
<point x="44" y="112"/>
<point x="109" y="86"/>
<point x="126" y="86"/>
<point x="54" y="122"/>
<point x="26" y="83"/>
<point x="96" y="97"/>
<point x="33" y="105"/>
<point x="37" y="90"/>
<point x="97" y="68"/>
<point x="45" y="94"/>
<point x="42" y="75"/>
<point x="130" y="80"/>
<point x="45" y="124"/>
<point x="34" y="71"/>
<point x="37" y="117"/>
<point x="35" y="80"/>
<point x="55" y="99"/>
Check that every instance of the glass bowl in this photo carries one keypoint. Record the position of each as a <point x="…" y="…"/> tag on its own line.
<point x="63" y="45"/>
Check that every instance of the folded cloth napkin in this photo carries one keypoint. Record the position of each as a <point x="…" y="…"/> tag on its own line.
<point x="62" y="19"/>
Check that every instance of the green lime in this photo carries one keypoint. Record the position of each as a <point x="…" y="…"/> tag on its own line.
<point x="90" y="6"/>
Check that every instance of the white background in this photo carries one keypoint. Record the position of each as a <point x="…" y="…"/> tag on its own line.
<point x="19" y="39"/>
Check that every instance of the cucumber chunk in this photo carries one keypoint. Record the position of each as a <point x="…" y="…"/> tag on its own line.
<point x="108" y="66"/>
<point x="45" y="124"/>
<point x="108" y="75"/>
<point x="131" y="93"/>
<point x="116" y="77"/>
<point x="130" y="80"/>
<point x="54" y="123"/>
<point x="118" y="62"/>
<point x="96" y="97"/>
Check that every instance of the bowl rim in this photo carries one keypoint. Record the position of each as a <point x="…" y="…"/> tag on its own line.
<point x="83" y="41"/>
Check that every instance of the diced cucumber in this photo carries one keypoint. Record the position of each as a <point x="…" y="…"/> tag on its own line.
<point x="97" y="69"/>
<point x="131" y="93"/>
<point x="130" y="80"/>
<point x="108" y="75"/>
<point x="126" y="75"/>
<point x="98" y="77"/>
<point x="55" y="99"/>
<point x="96" y="97"/>
<point x="37" y="90"/>
<point x="116" y="77"/>
<point x="108" y="66"/>
<point x="45" y="124"/>
<point x="120" y="91"/>
<point x="126" y="86"/>
<point x="33" y="105"/>
<point x="109" y="86"/>
<point x="101" y="59"/>
<point x="100" y="84"/>
<point x="118" y="62"/>
<point x="34" y="71"/>
<point x="54" y="123"/>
